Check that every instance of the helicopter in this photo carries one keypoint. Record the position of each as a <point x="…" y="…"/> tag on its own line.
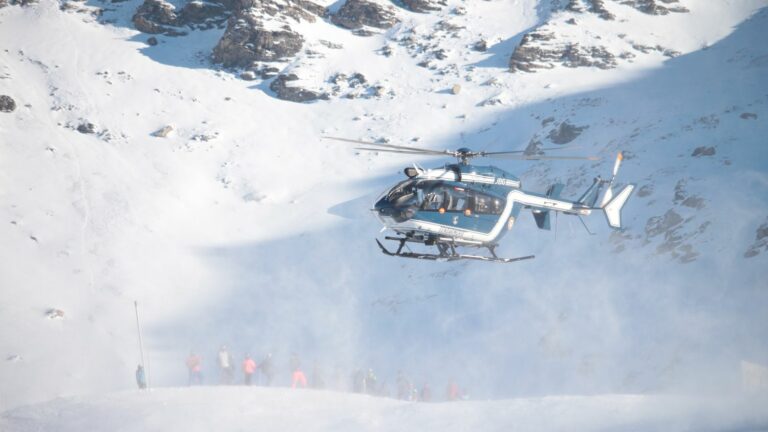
<point x="470" y="206"/>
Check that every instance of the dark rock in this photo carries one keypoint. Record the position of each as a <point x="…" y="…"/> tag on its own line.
<point x="152" y="41"/>
<point x="7" y="104"/>
<point x="294" y="94"/>
<point x="575" y="56"/>
<point x="748" y="116"/>
<point x="662" y="224"/>
<point x="761" y="242"/>
<point x="528" y="57"/>
<point x="703" y="151"/>
<point x="481" y="45"/>
<point x="203" y="15"/>
<point x="245" y="41"/>
<point x="86" y="128"/>
<point x="358" y="13"/>
<point x="571" y="21"/>
<point x="4" y="3"/>
<point x="694" y="202"/>
<point x="248" y="75"/>
<point x="598" y="7"/>
<point x="155" y="17"/>
<point x="420" y="6"/>
<point x="297" y="10"/>
<point x="574" y="6"/>
<point x="565" y="133"/>
<point x="363" y="32"/>
<point x="645" y="191"/>
<point x="652" y="7"/>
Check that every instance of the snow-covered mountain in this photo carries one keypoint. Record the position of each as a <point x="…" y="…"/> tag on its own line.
<point x="177" y="169"/>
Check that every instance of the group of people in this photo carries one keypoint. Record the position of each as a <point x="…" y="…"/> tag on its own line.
<point x="263" y="373"/>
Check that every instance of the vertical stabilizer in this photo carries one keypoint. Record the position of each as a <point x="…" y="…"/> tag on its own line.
<point x="613" y="208"/>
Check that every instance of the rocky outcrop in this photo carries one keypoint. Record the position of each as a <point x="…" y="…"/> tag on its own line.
<point x="203" y="16"/>
<point x="259" y="31"/>
<point x="356" y="14"/>
<point x="422" y="6"/>
<point x="7" y="104"/>
<point x="654" y="7"/>
<point x="598" y="7"/>
<point x="540" y="50"/>
<point x="565" y="133"/>
<point x="293" y="93"/>
<point x="159" y="16"/>
<point x="155" y="17"/>
<point x="246" y="41"/>
<point x="4" y="3"/>
<point x="761" y="242"/>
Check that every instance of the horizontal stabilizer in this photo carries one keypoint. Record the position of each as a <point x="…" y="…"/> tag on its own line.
<point x="613" y="208"/>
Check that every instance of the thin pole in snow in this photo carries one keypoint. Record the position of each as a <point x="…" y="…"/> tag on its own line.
<point x="141" y="343"/>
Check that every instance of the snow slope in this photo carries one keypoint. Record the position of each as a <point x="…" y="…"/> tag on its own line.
<point x="243" y="227"/>
<point x="233" y="409"/>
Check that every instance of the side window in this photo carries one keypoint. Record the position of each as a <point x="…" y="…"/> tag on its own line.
<point x="486" y="204"/>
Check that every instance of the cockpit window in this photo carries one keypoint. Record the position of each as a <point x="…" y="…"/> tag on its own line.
<point x="438" y="196"/>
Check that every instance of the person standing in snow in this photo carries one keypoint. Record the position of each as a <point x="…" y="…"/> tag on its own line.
<point x="403" y="386"/>
<point x="452" y="393"/>
<point x="141" y="378"/>
<point x="225" y="365"/>
<point x="426" y="393"/>
<point x="298" y="379"/>
<point x="249" y="367"/>
<point x="195" y="368"/>
<point x="370" y="381"/>
<point x="268" y="369"/>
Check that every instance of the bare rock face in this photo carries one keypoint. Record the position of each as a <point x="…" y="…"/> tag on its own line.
<point x="259" y="31"/>
<point x="287" y="92"/>
<point x="203" y="16"/>
<point x="653" y="7"/>
<point x="355" y="14"/>
<point x="4" y="3"/>
<point x="598" y="7"/>
<point x="246" y="41"/>
<point x="761" y="242"/>
<point x="7" y="104"/>
<point x="565" y="133"/>
<point x="540" y="50"/>
<point x="155" y="17"/>
<point x="159" y="16"/>
<point x="421" y="6"/>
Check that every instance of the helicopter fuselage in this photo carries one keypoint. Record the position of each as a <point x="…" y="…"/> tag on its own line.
<point x="467" y="204"/>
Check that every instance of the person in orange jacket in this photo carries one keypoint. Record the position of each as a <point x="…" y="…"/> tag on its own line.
<point x="195" y="368"/>
<point x="249" y="367"/>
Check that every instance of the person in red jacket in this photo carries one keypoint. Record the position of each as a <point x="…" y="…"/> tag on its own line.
<point x="195" y="368"/>
<point x="249" y="367"/>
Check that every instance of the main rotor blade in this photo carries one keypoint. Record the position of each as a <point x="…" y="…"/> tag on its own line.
<point x="534" y="157"/>
<point x="491" y="154"/>
<point x="392" y="151"/>
<point x="392" y="146"/>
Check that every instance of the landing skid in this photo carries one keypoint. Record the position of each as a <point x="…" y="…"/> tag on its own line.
<point x="447" y="252"/>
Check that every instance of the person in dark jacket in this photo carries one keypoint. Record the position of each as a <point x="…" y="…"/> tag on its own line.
<point x="267" y="369"/>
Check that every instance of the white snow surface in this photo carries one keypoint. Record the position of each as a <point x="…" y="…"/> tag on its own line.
<point x="243" y="227"/>
<point x="241" y="409"/>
